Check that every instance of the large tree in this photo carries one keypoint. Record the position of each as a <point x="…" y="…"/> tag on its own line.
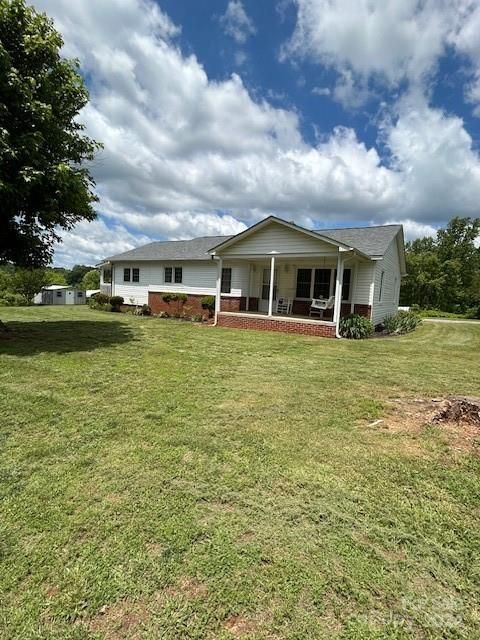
<point x="44" y="183"/>
<point x="444" y="272"/>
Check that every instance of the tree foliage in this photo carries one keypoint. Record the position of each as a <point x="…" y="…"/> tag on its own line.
<point x="28" y="282"/>
<point x="76" y="274"/>
<point x="91" y="280"/>
<point x="44" y="184"/>
<point x="444" y="272"/>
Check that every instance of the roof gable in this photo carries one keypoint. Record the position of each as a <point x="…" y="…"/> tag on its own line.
<point x="311" y="240"/>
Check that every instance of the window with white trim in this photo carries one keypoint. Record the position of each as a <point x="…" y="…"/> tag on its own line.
<point x="126" y="274"/>
<point x="178" y="275"/>
<point x="226" y="285"/>
<point x="320" y="283"/>
<point x="135" y="274"/>
<point x="380" y="289"/>
<point x="167" y="274"/>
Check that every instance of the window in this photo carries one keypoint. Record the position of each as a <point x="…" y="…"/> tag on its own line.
<point x="380" y="290"/>
<point x="321" y="287"/>
<point x="107" y="276"/>
<point x="178" y="274"/>
<point x="135" y="275"/>
<point x="226" y="285"/>
<point x="126" y="275"/>
<point x="266" y="284"/>
<point x="59" y="294"/>
<point x="320" y="283"/>
<point x="167" y="277"/>
<point x="304" y="283"/>
<point x="80" y="294"/>
<point x="347" y="277"/>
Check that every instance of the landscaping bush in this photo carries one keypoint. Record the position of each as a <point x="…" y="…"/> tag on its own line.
<point x="101" y="298"/>
<point x="355" y="327"/>
<point x="146" y="310"/>
<point x="116" y="302"/>
<point x="208" y="302"/>
<point x="197" y="317"/>
<point x="401" y="322"/>
<point x="99" y="306"/>
<point x="179" y="298"/>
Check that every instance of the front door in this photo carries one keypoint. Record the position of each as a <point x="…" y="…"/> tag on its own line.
<point x="263" y="302"/>
<point x="70" y="297"/>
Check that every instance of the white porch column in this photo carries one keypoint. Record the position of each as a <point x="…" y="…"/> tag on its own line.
<point x="338" y="289"/>
<point x="272" y="284"/>
<point x="218" y="293"/>
<point x="247" y="301"/>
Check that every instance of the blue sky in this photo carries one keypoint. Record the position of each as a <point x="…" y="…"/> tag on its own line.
<point x="217" y="113"/>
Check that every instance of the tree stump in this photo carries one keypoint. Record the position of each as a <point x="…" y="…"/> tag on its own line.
<point x="459" y="409"/>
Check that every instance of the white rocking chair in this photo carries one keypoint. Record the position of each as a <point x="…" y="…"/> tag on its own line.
<point x="284" y="305"/>
<point x="319" y="305"/>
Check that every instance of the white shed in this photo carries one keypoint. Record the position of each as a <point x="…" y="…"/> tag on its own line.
<point x="60" y="294"/>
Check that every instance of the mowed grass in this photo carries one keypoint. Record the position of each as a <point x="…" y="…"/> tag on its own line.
<point x="161" y="479"/>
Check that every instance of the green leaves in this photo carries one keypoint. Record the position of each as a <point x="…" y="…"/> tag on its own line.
<point x="444" y="273"/>
<point x="43" y="185"/>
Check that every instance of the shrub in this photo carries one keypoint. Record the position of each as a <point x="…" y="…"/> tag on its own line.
<point x="208" y="302"/>
<point x="8" y="299"/>
<point x="355" y="327"/>
<point x="163" y="314"/>
<point x="473" y="313"/>
<point x="197" y="317"/>
<point x="145" y="310"/>
<point x="116" y="302"/>
<point x="100" y="306"/>
<point x="401" y="322"/>
<point x="101" y="298"/>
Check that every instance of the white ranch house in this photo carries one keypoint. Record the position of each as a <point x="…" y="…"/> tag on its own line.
<point x="274" y="276"/>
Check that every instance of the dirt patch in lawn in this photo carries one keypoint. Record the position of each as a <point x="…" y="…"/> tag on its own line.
<point x="240" y="627"/>
<point x="455" y="418"/>
<point x="123" y="620"/>
<point x="185" y="587"/>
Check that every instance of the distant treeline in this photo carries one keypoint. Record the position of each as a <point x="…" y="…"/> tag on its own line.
<point x="18" y="286"/>
<point x="444" y="272"/>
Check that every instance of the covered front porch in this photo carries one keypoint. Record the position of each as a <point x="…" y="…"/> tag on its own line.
<point x="294" y="279"/>
<point x="283" y="293"/>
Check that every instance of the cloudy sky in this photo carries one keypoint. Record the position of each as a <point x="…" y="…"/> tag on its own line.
<point x="217" y="113"/>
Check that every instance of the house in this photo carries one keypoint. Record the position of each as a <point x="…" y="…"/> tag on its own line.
<point x="267" y="276"/>
<point x="60" y="294"/>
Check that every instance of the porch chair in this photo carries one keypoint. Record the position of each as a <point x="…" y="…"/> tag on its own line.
<point x="284" y="305"/>
<point x="319" y="305"/>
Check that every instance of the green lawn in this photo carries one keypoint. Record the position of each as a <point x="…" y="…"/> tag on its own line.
<point x="165" y="480"/>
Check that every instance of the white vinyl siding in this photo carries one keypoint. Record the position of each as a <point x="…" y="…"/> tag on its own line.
<point x="198" y="278"/>
<point x="279" y="239"/>
<point x="390" y="267"/>
<point x="362" y="281"/>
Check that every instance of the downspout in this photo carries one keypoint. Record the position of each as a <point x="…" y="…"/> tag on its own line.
<point x="218" y="292"/>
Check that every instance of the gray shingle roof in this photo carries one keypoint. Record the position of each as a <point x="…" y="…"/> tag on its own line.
<point x="195" y="249"/>
<point x="372" y="241"/>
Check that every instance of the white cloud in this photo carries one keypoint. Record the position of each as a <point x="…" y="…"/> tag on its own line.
<point x="413" y="229"/>
<point x="321" y="91"/>
<point x="185" y="155"/>
<point x="89" y="242"/>
<point x="385" y="41"/>
<point x="236" y="23"/>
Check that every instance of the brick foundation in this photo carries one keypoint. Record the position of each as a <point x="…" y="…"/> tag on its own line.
<point x="266" y="324"/>
<point x="193" y="305"/>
